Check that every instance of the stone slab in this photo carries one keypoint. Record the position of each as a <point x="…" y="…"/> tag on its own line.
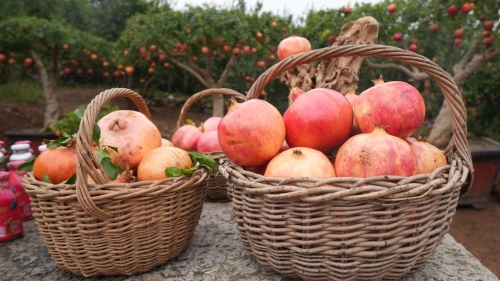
<point x="215" y="254"/>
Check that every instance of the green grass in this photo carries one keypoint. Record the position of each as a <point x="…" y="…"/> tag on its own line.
<point x="25" y="91"/>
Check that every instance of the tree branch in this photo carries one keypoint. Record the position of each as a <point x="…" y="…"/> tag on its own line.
<point x="415" y="74"/>
<point x="468" y="56"/>
<point x="192" y="69"/>
<point x="477" y="62"/>
<point x="225" y="74"/>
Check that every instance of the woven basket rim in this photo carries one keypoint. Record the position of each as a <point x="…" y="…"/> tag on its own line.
<point x="203" y="94"/>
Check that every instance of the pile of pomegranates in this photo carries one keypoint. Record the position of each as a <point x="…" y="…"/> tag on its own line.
<point x="324" y="134"/>
<point x="129" y="147"/>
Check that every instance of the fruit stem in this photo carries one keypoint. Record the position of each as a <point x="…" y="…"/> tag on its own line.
<point x="378" y="81"/>
<point x="231" y="104"/>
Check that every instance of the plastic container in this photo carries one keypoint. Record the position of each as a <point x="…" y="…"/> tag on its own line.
<point x="4" y="156"/>
<point x="11" y="223"/>
<point x="42" y="147"/>
<point x="21" y="152"/>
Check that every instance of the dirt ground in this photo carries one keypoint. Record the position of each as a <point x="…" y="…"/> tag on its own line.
<point x="477" y="230"/>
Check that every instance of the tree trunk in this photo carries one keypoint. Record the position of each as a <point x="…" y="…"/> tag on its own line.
<point x="49" y="83"/>
<point x="441" y="132"/>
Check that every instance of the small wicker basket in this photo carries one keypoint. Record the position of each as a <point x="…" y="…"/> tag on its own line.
<point x="114" y="228"/>
<point x="217" y="184"/>
<point x="351" y="228"/>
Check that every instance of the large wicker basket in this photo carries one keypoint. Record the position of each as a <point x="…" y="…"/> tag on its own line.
<point x="217" y="184"/>
<point x="114" y="228"/>
<point x="351" y="228"/>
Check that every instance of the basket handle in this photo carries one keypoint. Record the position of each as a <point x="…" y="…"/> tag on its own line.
<point x="448" y="87"/>
<point x="87" y="164"/>
<point x="203" y="94"/>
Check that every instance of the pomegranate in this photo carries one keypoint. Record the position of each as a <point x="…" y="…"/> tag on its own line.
<point x="295" y="93"/>
<point x="58" y="163"/>
<point x="412" y="47"/>
<point x="154" y="163"/>
<point x="453" y="11"/>
<point x="375" y="154"/>
<point x="208" y="142"/>
<point x="434" y="27"/>
<point x="467" y="7"/>
<point x="488" y="25"/>
<point x="300" y="162"/>
<point x="398" y="36"/>
<point x="186" y="137"/>
<point x="391" y="8"/>
<point x="248" y="138"/>
<point x="352" y="98"/>
<point x="319" y="119"/>
<point x="293" y="45"/>
<point x="388" y="105"/>
<point x="211" y="124"/>
<point x="428" y="156"/>
<point x="165" y="142"/>
<point x="459" y="33"/>
<point x="132" y="133"/>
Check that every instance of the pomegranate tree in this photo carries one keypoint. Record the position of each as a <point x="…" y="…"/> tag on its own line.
<point x="397" y="106"/>
<point x="252" y="132"/>
<point x="375" y="154"/>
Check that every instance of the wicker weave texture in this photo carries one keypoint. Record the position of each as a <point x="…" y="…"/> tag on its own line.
<point x="217" y="184"/>
<point x="376" y="228"/>
<point x="115" y="228"/>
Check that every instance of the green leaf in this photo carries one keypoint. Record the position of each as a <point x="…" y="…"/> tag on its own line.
<point x="190" y="122"/>
<point x="203" y="159"/>
<point x="171" y="172"/>
<point x="111" y="169"/>
<point x="101" y="154"/>
<point x="26" y="166"/>
<point x="96" y="134"/>
<point x="71" y="180"/>
<point x="46" y="178"/>
<point x="79" y="112"/>
<point x="176" y="172"/>
<point x="63" y="141"/>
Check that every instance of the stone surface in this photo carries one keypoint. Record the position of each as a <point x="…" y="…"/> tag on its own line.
<point x="216" y="253"/>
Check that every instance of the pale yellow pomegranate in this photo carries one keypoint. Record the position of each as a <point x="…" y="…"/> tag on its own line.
<point x="153" y="166"/>
<point x="132" y="133"/>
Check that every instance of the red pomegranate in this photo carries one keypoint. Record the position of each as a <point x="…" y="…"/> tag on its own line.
<point x="319" y="119"/>
<point x="397" y="106"/>
<point x="186" y="137"/>
<point x="295" y="93"/>
<point x="252" y="132"/>
<point x="375" y="154"/>
<point x="208" y="142"/>
<point x="293" y="45"/>
<point x="428" y="156"/>
<point x="300" y="162"/>
<point x="352" y="98"/>
<point x="132" y="133"/>
<point x="211" y="123"/>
